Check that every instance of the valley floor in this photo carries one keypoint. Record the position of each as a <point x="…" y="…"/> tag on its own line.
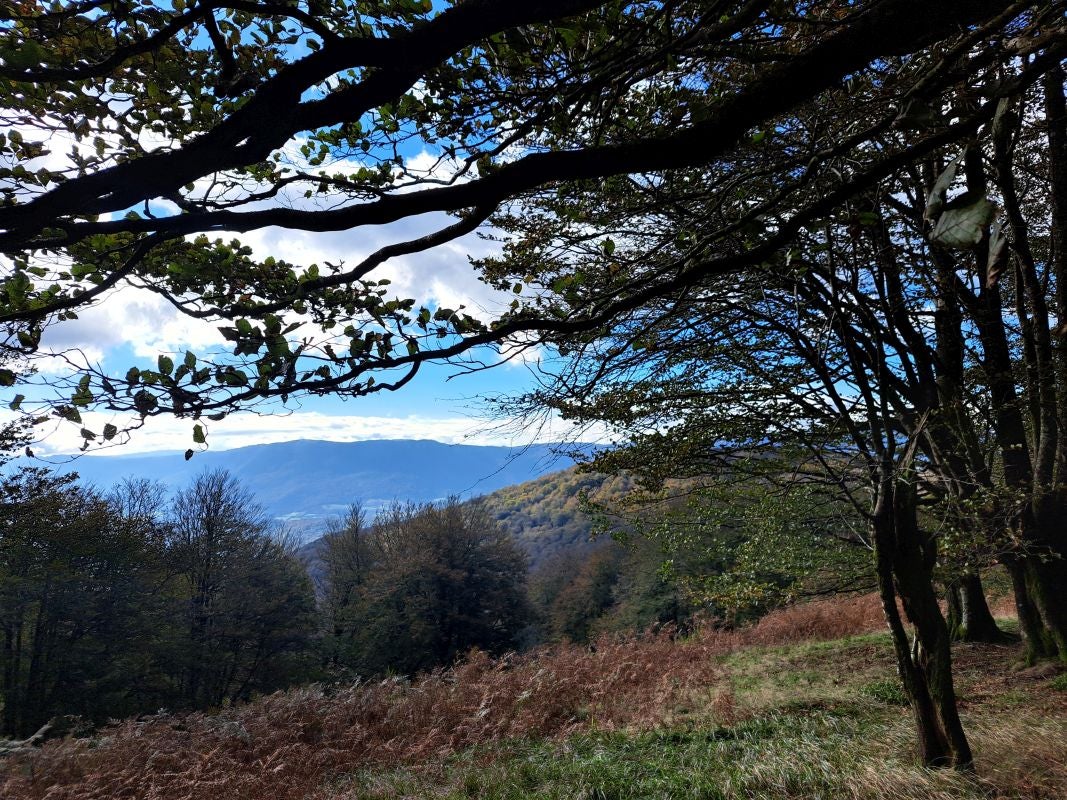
<point x="804" y="705"/>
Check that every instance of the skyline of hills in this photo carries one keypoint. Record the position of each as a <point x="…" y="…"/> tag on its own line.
<point x="309" y="481"/>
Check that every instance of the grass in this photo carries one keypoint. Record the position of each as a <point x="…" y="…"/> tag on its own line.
<point x="889" y="691"/>
<point x="821" y="673"/>
<point x="822" y="754"/>
<point x="805" y="705"/>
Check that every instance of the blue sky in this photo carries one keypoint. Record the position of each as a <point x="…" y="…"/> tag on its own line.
<point x="132" y="326"/>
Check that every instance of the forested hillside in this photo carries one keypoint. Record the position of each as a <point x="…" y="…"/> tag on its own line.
<point x="553" y="512"/>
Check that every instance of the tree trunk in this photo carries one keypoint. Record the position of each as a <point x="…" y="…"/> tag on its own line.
<point x="954" y="607"/>
<point x="12" y="678"/>
<point x="904" y="560"/>
<point x="1047" y="568"/>
<point x="976" y="622"/>
<point x="1038" y="573"/>
<point x="1037" y="643"/>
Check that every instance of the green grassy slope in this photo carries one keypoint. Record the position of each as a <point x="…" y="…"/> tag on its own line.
<point x="824" y="720"/>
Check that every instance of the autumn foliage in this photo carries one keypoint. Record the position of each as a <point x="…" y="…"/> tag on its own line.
<point x="289" y="745"/>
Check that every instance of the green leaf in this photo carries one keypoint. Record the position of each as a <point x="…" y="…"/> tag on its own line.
<point x="7" y="377"/>
<point x="110" y="431"/>
<point x="83" y="397"/>
<point x="998" y="256"/>
<point x="69" y="413"/>
<point x="916" y="115"/>
<point x="190" y="360"/>
<point x="198" y="434"/>
<point x="166" y="365"/>
<point x="233" y="377"/>
<point x="145" y="402"/>
<point x="935" y="203"/>
<point x="963" y="228"/>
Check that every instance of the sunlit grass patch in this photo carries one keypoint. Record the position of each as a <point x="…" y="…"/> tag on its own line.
<point x="889" y="691"/>
<point x="810" y="674"/>
<point x="817" y="755"/>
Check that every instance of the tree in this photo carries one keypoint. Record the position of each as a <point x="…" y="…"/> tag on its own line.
<point x="248" y="605"/>
<point x="821" y="368"/>
<point x="81" y="612"/>
<point x="348" y="559"/>
<point x="571" y="594"/>
<point x="440" y="580"/>
<point x="232" y="117"/>
<point x="98" y="617"/>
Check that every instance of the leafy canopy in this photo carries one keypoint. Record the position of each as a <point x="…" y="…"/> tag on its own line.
<point x="142" y="138"/>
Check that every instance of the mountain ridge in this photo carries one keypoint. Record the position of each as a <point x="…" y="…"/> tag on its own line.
<point x="311" y="480"/>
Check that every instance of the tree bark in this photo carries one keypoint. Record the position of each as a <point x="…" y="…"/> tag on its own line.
<point x="976" y="620"/>
<point x="1035" y="568"/>
<point x="1047" y="567"/>
<point x="904" y="561"/>
<point x="954" y="609"/>
<point x="1037" y="643"/>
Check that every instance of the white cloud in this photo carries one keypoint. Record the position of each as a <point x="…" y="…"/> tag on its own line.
<point x="240" y="430"/>
<point x="145" y="321"/>
<point x="441" y="276"/>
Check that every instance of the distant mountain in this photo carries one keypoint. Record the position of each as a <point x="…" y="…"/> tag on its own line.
<point x="307" y="481"/>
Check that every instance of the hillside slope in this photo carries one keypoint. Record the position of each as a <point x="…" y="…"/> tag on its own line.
<point x="544" y="515"/>
<point x="803" y="705"/>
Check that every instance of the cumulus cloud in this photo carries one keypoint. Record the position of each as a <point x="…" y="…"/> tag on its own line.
<point x="134" y="317"/>
<point x="441" y="276"/>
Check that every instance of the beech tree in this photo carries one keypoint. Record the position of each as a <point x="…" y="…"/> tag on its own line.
<point x="139" y="133"/>
<point x="420" y="587"/>
<point x="845" y="359"/>
<point x="247" y="603"/>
